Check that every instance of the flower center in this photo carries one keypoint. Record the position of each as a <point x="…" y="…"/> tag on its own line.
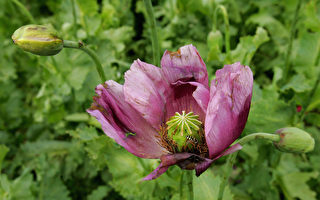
<point x="184" y="133"/>
<point x="184" y="124"/>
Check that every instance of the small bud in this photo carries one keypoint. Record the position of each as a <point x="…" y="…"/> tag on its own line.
<point x="294" y="140"/>
<point x="42" y="40"/>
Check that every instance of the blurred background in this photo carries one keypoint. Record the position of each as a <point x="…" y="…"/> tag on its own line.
<point x="51" y="149"/>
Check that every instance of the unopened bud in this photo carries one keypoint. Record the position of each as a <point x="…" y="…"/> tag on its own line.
<point x="42" y="40"/>
<point x="294" y="140"/>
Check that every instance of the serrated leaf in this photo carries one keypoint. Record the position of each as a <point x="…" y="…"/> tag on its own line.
<point x="298" y="83"/>
<point x="296" y="185"/>
<point x="50" y="146"/>
<point x="207" y="185"/>
<point x="268" y="113"/>
<point x="77" y="77"/>
<point x="128" y="170"/>
<point x="307" y="51"/>
<point x="88" y="7"/>
<point x="20" y="188"/>
<point x="276" y="29"/>
<point x="99" y="193"/>
<point x="85" y="133"/>
<point x="248" y="46"/>
<point x="312" y="20"/>
<point x="53" y="189"/>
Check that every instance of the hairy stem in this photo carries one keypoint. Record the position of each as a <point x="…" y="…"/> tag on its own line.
<point x="24" y="10"/>
<point x="154" y="35"/>
<point x="227" y="27"/>
<point x="266" y="136"/>
<point x="91" y="53"/>
<point x="287" y="66"/>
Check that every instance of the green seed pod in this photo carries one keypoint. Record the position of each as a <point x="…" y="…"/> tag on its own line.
<point x="294" y="140"/>
<point x="42" y="40"/>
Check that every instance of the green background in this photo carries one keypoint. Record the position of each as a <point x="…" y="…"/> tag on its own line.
<point x="51" y="149"/>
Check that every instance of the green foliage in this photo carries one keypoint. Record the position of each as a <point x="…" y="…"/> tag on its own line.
<point x="51" y="149"/>
<point x="207" y="187"/>
<point x="3" y="151"/>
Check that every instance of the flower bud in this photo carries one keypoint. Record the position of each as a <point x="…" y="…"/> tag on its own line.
<point x="294" y="140"/>
<point x="42" y="40"/>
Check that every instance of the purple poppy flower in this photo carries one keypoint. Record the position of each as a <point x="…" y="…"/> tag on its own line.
<point x="171" y="113"/>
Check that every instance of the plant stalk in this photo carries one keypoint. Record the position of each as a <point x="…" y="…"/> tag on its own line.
<point x="227" y="27"/>
<point x="91" y="53"/>
<point x="74" y="14"/>
<point x="266" y="136"/>
<point x="181" y="186"/>
<point x="154" y="35"/>
<point x="287" y="66"/>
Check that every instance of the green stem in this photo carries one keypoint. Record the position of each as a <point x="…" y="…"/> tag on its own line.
<point x="181" y="186"/>
<point x="266" y="136"/>
<point x="91" y="53"/>
<point x="189" y="178"/>
<point x="287" y="66"/>
<point x="227" y="27"/>
<point x="228" y="168"/>
<point x="154" y="35"/>
<point x="232" y="157"/>
<point x="24" y="10"/>
<point x="74" y="14"/>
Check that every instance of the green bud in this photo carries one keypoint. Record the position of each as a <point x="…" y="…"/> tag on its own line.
<point x="42" y="40"/>
<point x="294" y="140"/>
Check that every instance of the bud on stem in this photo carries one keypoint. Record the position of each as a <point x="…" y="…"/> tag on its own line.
<point x="42" y="40"/>
<point x="294" y="140"/>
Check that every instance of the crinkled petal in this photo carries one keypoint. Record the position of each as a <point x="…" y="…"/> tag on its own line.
<point x="184" y="64"/>
<point x="156" y="173"/>
<point x="201" y="95"/>
<point x="187" y="161"/>
<point x="123" y="123"/>
<point x="203" y="166"/>
<point x="144" y="89"/>
<point x="228" y="108"/>
<point x="187" y="96"/>
<point x="166" y="162"/>
<point x="232" y="149"/>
